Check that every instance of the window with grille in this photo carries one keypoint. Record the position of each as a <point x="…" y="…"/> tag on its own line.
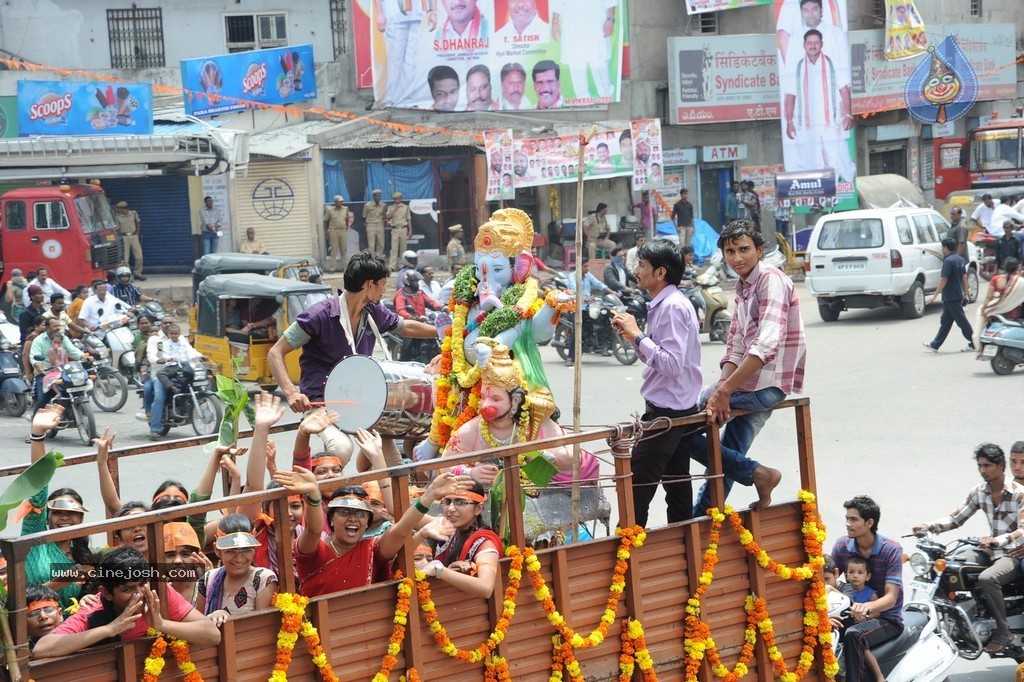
<point x="975" y="8"/>
<point x="707" y="22"/>
<point x="136" y="38"/>
<point x="255" y="31"/>
<point x="878" y="12"/>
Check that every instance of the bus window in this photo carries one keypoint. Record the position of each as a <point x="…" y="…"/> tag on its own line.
<point x="50" y="215"/>
<point x="995" y="149"/>
<point x="14" y="216"/>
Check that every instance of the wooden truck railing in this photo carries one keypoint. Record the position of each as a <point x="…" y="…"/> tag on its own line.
<point x="355" y="625"/>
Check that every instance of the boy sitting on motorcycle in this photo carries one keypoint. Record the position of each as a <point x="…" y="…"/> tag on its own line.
<point x="858" y="573"/>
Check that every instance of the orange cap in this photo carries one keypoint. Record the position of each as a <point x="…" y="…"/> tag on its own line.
<point x="372" y="489"/>
<point x="178" y="533"/>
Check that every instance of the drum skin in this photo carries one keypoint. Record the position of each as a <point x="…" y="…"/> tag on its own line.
<point x="395" y="398"/>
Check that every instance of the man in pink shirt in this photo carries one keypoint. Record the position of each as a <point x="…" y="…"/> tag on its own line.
<point x="765" y="350"/>
<point x="127" y="607"/>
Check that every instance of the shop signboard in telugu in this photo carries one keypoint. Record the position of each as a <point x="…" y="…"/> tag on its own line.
<point x="70" y="108"/>
<point x="878" y="83"/>
<point x="722" y="78"/>
<point x="218" y="85"/>
<point x="492" y="54"/>
<point x="673" y="158"/>
<point x="500" y="164"/>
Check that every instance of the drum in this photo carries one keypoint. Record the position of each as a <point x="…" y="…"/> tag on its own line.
<point x="395" y="398"/>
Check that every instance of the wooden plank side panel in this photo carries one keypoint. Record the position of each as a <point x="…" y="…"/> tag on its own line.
<point x="529" y="638"/>
<point x="665" y="589"/>
<point x="99" y="666"/>
<point x="361" y="624"/>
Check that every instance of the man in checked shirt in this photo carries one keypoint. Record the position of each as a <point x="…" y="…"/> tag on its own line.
<point x="765" y="349"/>
<point x="1003" y="504"/>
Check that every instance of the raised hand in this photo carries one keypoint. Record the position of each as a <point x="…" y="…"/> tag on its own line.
<point x="271" y="457"/>
<point x="229" y="467"/>
<point x="298" y="480"/>
<point x="103" y="444"/>
<point x="126" y="621"/>
<point x="151" y="607"/>
<point x="371" y="443"/>
<point x="47" y="418"/>
<point x="232" y="449"/>
<point x="448" y="483"/>
<point x="268" y="410"/>
<point x="317" y="421"/>
<point x="440" y="530"/>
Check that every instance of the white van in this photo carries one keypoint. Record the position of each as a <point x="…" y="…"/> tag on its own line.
<point x="876" y="257"/>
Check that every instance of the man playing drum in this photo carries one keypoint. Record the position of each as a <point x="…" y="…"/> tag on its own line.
<point x="326" y="336"/>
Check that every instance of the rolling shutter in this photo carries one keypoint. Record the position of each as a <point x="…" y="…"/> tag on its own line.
<point x="163" y="207"/>
<point x="274" y="199"/>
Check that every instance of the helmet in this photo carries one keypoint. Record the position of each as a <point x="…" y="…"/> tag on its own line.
<point x="410" y="278"/>
<point x="409" y="259"/>
<point x="122" y="271"/>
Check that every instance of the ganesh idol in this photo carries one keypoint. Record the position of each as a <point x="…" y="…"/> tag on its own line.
<point x="495" y="299"/>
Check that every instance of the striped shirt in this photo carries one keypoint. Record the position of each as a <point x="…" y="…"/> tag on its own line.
<point x="1006" y="520"/>
<point x="767" y="325"/>
<point x="885" y="565"/>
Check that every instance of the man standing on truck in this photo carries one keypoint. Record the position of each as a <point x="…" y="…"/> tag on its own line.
<point x="128" y="224"/>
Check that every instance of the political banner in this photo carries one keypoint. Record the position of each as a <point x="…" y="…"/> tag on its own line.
<point x="69" y="108"/>
<point x="647" y="165"/>
<point x="668" y="194"/>
<point x="815" y="93"/>
<point x="553" y="160"/>
<point x="484" y="55"/>
<point x="878" y="84"/>
<point x="225" y="83"/>
<point x="722" y="78"/>
<point x="499" y="150"/>
<point x="905" y="35"/>
<point x="700" y="6"/>
<point x="763" y="178"/>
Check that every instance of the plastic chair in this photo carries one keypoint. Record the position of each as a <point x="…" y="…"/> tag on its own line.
<point x="568" y="256"/>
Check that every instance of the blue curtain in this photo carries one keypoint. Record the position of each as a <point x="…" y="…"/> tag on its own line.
<point x="414" y="181"/>
<point x="334" y="182"/>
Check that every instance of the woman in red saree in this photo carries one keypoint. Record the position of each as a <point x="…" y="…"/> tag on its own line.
<point x="469" y="558"/>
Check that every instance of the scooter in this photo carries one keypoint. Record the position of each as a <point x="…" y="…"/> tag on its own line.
<point x="989" y="260"/>
<point x="72" y="384"/>
<point x="921" y="653"/>
<point x="110" y="389"/>
<point x="1002" y="344"/>
<point x="190" y="400"/>
<point x="947" y="578"/>
<point x="711" y="305"/>
<point x="14" y="391"/>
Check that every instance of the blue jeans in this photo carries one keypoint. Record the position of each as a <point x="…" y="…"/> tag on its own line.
<point x="156" y="407"/>
<point x="738" y="435"/>
<point x="210" y="240"/>
<point x="147" y="395"/>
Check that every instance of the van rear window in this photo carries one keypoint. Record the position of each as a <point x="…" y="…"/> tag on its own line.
<point x="851" y="234"/>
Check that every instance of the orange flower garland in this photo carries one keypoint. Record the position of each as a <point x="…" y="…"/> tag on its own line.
<point x="292" y="607"/>
<point x="634" y="651"/>
<point x="312" y="639"/>
<point x="184" y="659"/>
<point x="398" y="633"/>
<point x="563" y="659"/>
<point x="496" y="669"/>
<point x="487" y="647"/>
<point x="154" y="664"/>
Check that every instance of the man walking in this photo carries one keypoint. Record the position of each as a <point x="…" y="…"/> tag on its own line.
<point x="400" y="221"/>
<point x="952" y="288"/>
<point x="958" y="231"/>
<point x="128" y="225"/>
<point x="210" y="226"/>
<point x="682" y="215"/>
<point x="671" y="380"/>
<point x="337" y="220"/>
<point x="373" y="218"/>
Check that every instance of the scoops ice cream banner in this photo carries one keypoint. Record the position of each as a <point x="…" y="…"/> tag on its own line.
<point x="482" y="55"/>
<point x="634" y="151"/>
<point x="815" y="93"/>
<point x="217" y="85"/>
<point x="68" y="108"/>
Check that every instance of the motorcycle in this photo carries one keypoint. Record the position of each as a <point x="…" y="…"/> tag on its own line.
<point x="989" y="260"/>
<point x="921" y="653"/>
<point x="14" y="391"/>
<point x="72" y="384"/>
<point x="1002" y="344"/>
<point x="599" y="336"/>
<point x="119" y="338"/>
<point x="126" y="364"/>
<point x="412" y="350"/>
<point x="711" y="305"/>
<point x="190" y="400"/>
<point x="110" y="389"/>
<point x="947" y="578"/>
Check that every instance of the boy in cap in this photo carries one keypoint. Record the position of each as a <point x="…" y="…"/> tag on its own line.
<point x="456" y="251"/>
<point x="128" y="225"/>
<point x="373" y="217"/>
<point x="337" y="220"/>
<point x="400" y="220"/>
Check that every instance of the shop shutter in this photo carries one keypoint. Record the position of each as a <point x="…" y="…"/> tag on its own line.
<point x="163" y="207"/>
<point x="274" y="199"/>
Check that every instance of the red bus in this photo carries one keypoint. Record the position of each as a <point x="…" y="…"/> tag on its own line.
<point x="991" y="156"/>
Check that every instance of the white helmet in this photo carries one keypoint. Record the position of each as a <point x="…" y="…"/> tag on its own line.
<point x="409" y="259"/>
<point x="122" y="271"/>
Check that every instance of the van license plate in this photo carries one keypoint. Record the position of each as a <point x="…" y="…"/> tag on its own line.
<point x="849" y="267"/>
<point x="989" y="351"/>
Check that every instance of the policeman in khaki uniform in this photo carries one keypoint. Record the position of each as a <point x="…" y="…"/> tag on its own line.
<point x="400" y="220"/>
<point x="337" y="220"/>
<point x="128" y="225"/>
<point x="373" y="218"/>
<point x="456" y="251"/>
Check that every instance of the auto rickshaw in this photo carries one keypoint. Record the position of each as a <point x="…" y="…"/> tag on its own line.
<point x="228" y="304"/>
<point x="286" y="267"/>
<point x="969" y="199"/>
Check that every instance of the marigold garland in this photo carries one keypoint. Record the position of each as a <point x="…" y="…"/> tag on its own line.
<point x="401" y="620"/>
<point x="496" y="669"/>
<point x="292" y="608"/>
<point x="154" y="664"/>
<point x="563" y="661"/>
<point x="311" y="637"/>
<point x="487" y="647"/>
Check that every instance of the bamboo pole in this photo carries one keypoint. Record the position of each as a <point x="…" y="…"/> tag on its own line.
<point x="584" y="140"/>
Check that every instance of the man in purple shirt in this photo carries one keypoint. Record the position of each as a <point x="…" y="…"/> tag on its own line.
<point x="671" y="380"/>
<point x="331" y="330"/>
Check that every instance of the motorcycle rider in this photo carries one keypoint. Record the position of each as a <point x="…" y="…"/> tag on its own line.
<point x="125" y="290"/>
<point x="50" y="349"/>
<point x="616" y="276"/>
<point x="590" y="284"/>
<point x="58" y="310"/>
<point x="1002" y="502"/>
<point x="97" y="306"/>
<point x="686" y="285"/>
<point x="409" y="262"/>
<point x="880" y="620"/>
<point x="172" y="350"/>
<point x="411" y="303"/>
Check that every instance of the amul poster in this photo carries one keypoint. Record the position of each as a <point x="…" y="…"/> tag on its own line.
<point x="647" y="166"/>
<point x="483" y="55"/>
<point x="499" y="150"/>
<point x="815" y="92"/>
<point x="68" y="108"/>
<point x="217" y="85"/>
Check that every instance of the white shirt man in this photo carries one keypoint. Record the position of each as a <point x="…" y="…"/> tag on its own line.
<point x="632" y="260"/>
<point x="96" y="307"/>
<point x="982" y="215"/>
<point x="1000" y="214"/>
<point x="163" y="348"/>
<point x="49" y="287"/>
<point x="536" y="32"/>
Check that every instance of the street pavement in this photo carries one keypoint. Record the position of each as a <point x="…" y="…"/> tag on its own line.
<point x="890" y="420"/>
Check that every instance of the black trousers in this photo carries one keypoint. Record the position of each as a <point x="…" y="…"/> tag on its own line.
<point x="664" y="457"/>
<point x="953" y="311"/>
<point x="861" y="637"/>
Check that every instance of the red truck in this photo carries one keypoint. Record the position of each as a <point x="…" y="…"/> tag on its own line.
<point x="69" y="229"/>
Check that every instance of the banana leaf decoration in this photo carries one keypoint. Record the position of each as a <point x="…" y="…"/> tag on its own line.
<point x="28" y="483"/>
<point x="235" y="397"/>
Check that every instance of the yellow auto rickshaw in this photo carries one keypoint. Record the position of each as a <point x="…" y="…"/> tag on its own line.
<point x="239" y="318"/>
